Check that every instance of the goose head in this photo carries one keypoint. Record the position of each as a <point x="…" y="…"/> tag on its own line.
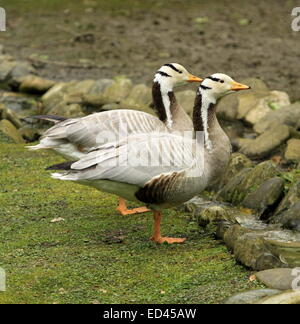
<point x="173" y="75"/>
<point x="218" y="85"/>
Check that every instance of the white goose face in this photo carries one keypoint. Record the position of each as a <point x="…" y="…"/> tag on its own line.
<point x="172" y="75"/>
<point x="219" y="84"/>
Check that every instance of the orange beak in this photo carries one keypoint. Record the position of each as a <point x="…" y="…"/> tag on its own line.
<point x="239" y="86"/>
<point x="193" y="78"/>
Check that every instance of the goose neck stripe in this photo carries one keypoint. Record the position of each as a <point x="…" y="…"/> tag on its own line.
<point x="173" y="68"/>
<point x="204" y="87"/>
<point x="164" y="74"/>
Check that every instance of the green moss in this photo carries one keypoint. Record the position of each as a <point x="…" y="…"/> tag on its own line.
<point x="95" y="254"/>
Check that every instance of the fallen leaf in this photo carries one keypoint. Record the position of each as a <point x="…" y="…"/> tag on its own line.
<point x="56" y="220"/>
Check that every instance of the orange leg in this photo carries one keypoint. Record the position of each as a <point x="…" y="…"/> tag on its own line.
<point x="122" y="208"/>
<point x="157" y="235"/>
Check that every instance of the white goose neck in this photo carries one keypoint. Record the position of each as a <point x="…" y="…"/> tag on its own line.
<point x="207" y="101"/>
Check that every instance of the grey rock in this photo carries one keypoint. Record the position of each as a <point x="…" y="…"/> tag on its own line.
<point x="266" y="143"/>
<point x="227" y="107"/>
<point x="9" y="131"/>
<point x="288" y="116"/>
<point x="30" y="134"/>
<point x="292" y="152"/>
<point x="289" y="297"/>
<point x="6" y="113"/>
<point x="265" y="196"/>
<point x="246" y="181"/>
<point x="234" y="129"/>
<point x="35" y="84"/>
<point x="291" y="218"/>
<point x="248" y="101"/>
<point x="119" y="90"/>
<point x="99" y="86"/>
<point x="110" y="106"/>
<point x="68" y="111"/>
<point x="66" y="94"/>
<point x="264" y="106"/>
<point x="186" y="99"/>
<point x="18" y="102"/>
<point x="250" y="297"/>
<point x="291" y="198"/>
<point x="139" y="98"/>
<point x="5" y="69"/>
<point x="281" y="279"/>
<point x="262" y="249"/>
<point x="256" y="84"/>
<point x="53" y="96"/>
<point x="19" y="71"/>
<point x="237" y="163"/>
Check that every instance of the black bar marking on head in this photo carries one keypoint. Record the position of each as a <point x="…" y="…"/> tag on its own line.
<point x="204" y="87"/>
<point x="213" y="79"/>
<point x="173" y="67"/>
<point x="164" y="74"/>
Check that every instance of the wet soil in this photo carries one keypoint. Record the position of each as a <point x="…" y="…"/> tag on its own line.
<point x="96" y="39"/>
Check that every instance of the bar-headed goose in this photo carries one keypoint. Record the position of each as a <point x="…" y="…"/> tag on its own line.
<point x="172" y="168"/>
<point x="76" y="137"/>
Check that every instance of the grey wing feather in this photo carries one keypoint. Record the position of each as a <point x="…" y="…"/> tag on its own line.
<point x="137" y="160"/>
<point x="97" y="129"/>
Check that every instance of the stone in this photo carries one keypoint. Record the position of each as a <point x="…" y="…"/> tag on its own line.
<point x="288" y="116"/>
<point x="233" y="129"/>
<point x="250" y="249"/>
<point x="291" y="218"/>
<point x="289" y="297"/>
<point x="119" y="90"/>
<point x="265" y="144"/>
<point x="139" y="98"/>
<point x="30" y="134"/>
<point x="35" y="84"/>
<point x="246" y="181"/>
<point x="20" y="70"/>
<point x="5" y="69"/>
<point x="6" y="113"/>
<point x="266" y="105"/>
<point x="265" y="196"/>
<point x="186" y="100"/>
<point x="265" y="248"/>
<point x="8" y="130"/>
<point x="68" y="111"/>
<point x="99" y="86"/>
<point x="256" y="84"/>
<point x="286" y="246"/>
<point x="18" y="102"/>
<point x="250" y="297"/>
<point x="66" y="94"/>
<point x="291" y="198"/>
<point x="292" y="152"/>
<point x="227" y="107"/>
<point x="248" y="101"/>
<point x="280" y="279"/>
<point x="53" y="96"/>
<point x="237" y="163"/>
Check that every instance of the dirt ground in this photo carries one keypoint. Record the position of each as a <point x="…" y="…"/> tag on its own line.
<point x="96" y="39"/>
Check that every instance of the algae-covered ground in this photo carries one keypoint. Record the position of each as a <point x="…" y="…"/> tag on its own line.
<point x="95" y="255"/>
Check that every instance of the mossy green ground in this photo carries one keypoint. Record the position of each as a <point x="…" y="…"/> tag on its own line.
<point x="96" y="255"/>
